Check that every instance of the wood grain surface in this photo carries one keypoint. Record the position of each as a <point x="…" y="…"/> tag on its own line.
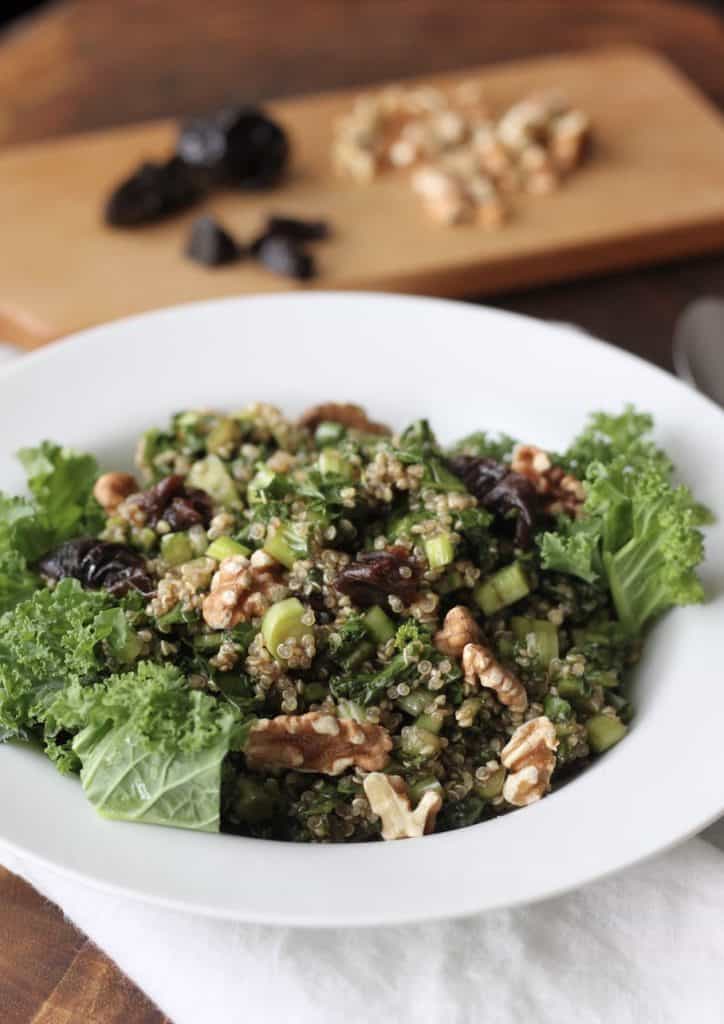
<point x="79" y="66"/>
<point x="652" y="191"/>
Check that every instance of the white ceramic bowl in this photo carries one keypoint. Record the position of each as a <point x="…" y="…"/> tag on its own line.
<point x="466" y="368"/>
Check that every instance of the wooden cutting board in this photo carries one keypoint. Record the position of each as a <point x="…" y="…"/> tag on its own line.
<point x="655" y="190"/>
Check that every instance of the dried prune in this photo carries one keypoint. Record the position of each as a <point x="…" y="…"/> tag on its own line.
<point x="374" y="575"/>
<point x="299" y="230"/>
<point x="178" y="505"/>
<point x="154" y="191"/>
<point x="98" y="564"/>
<point x="284" y="256"/>
<point x="209" y="243"/>
<point x="502" y="491"/>
<point x="236" y="146"/>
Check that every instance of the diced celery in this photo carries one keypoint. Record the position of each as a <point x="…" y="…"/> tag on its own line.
<point x="328" y="433"/>
<point x="493" y="785"/>
<point x="573" y="688"/>
<point x="259" y="484"/>
<point x="144" y="537"/>
<point x="223" y="436"/>
<point x="176" y="548"/>
<point x="359" y="655"/>
<point x="419" y="788"/>
<point x="440" y="550"/>
<point x="606" y="678"/>
<point x="208" y="641"/>
<point x="544" y="632"/>
<point x="331" y="463"/>
<point x="604" y="731"/>
<point x="432" y="722"/>
<point x="211" y="475"/>
<point x="452" y="580"/>
<point x="418" y="742"/>
<point x="282" y="622"/>
<point x="278" y="547"/>
<point x="415" y="703"/>
<point x="379" y="625"/>
<point x="505" y="587"/>
<point x="224" y="547"/>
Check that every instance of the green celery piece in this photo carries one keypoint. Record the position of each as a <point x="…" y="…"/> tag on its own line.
<point x="433" y="722"/>
<point x="493" y="785"/>
<point x="176" y="548"/>
<point x="379" y="625"/>
<point x="604" y="731"/>
<point x="224" y="435"/>
<point x="331" y="463"/>
<point x="329" y="433"/>
<point x="503" y="588"/>
<point x="225" y="547"/>
<point x="278" y="547"/>
<point x="440" y="551"/>
<point x="211" y="475"/>
<point x="282" y="622"/>
<point x="419" y="742"/>
<point x="421" y="786"/>
<point x="557" y="709"/>
<point x="415" y="703"/>
<point x="545" y="633"/>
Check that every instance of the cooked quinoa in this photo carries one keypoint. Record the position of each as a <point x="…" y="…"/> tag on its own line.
<point x="358" y="633"/>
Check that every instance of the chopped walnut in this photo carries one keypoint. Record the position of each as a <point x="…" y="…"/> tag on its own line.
<point x="352" y="416"/>
<point x="530" y="756"/>
<point x="458" y="629"/>
<point x="317" y="742"/>
<point x="389" y="798"/>
<point x="242" y="589"/>
<point x="111" y="489"/>
<point x="560" y="491"/>
<point x="480" y="667"/>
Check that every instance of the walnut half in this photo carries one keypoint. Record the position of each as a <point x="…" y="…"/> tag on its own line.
<point x="352" y="416"/>
<point x="317" y="742"/>
<point x="242" y="589"/>
<point x="530" y="756"/>
<point x="480" y="667"/>
<point x="389" y="798"/>
<point x="458" y="629"/>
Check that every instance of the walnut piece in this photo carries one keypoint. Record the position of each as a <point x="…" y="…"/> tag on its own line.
<point x="242" y="589"/>
<point x="389" y="798"/>
<point x="458" y="629"/>
<point x="317" y="742"/>
<point x="480" y="667"/>
<point x="352" y="416"/>
<point x="530" y="756"/>
<point x="560" y="491"/>
<point x="111" y="489"/>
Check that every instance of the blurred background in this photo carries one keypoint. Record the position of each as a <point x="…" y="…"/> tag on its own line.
<point x="77" y="65"/>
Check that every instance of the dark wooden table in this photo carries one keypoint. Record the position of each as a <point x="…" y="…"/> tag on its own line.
<point x="82" y="64"/>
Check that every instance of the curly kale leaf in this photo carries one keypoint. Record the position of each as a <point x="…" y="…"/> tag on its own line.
<point x="607" y="437"/>
<point x="150" y="749"/>
<point x="638" y="532"/>
<point x="418" y="445"/>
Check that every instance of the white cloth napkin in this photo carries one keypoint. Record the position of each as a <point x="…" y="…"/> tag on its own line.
<point x="644" y="947"/>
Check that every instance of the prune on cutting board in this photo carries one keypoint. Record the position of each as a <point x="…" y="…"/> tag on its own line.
<point x="237" y="146"/>
<point x="299" y="230"/>
<point x="211" y="244"/>
<point x="284" y="256"/>
<point x="178" y="505"/>
<point x="374" y="575"/>
<point x="98" y="564"/>
<point x="500" y="490"/>
<point x="154" y="191"/>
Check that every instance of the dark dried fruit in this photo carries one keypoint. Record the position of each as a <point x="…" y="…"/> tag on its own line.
<point x="299" y="230"/>
<point x="178" y="505"/>
<point x="500" y="490"/>
<point x="211" y="244"/>
<point x="284" y="256"/>
<point x="236" y="146"/>
<point x="98" y="564"/>
<point x="154" y="191"/>
<point x="374" y="575"/>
